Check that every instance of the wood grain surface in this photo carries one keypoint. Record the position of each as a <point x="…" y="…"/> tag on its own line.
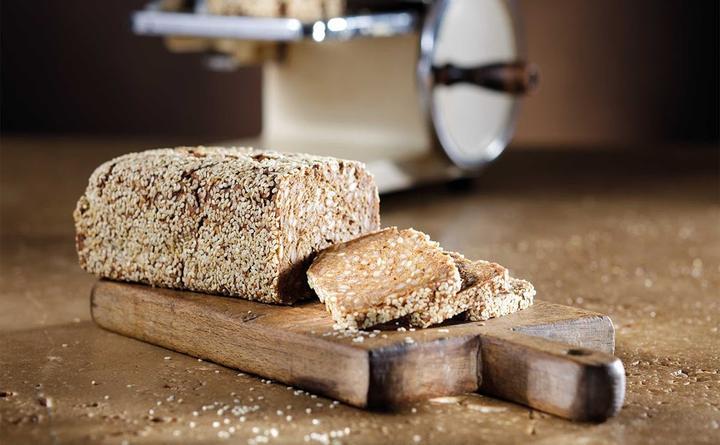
<point x="511" y="357"/>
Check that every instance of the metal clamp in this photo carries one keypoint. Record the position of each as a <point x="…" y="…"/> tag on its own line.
<point x="152" y="22"/>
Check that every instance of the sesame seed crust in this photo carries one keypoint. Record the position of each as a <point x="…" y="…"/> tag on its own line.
<point x="231" y="221"/>
<point x="383" y="276"/>
<point x="513" y="296"/>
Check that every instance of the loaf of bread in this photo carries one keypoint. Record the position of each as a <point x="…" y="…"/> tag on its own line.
<point x="383" y="276"/>
<point x="305" y="10"/>
<point x="229" y="221"/>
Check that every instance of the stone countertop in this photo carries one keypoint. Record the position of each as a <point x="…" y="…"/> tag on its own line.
<point x="633" y="234"/>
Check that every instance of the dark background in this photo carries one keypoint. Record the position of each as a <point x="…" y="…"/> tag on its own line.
<point x="615" y="73"/>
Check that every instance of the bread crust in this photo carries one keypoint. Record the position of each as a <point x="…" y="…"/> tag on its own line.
<point x="514" y="295"/>
<point x="231" y="221"/>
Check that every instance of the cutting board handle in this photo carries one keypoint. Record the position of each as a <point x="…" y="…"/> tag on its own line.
<point x="570" y="382"/>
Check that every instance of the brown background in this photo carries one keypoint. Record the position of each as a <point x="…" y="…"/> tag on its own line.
<point x="614" y="73"/>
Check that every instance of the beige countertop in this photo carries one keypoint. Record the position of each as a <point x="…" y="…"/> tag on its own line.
<point x="635" y="235"/>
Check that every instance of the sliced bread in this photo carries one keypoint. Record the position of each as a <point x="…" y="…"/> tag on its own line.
<point x="481" y="281"/>
<point x="516" y="295"/>
<point x="384" y="276"/>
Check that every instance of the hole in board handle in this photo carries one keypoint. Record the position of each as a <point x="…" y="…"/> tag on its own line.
<point x="578" y="352"/>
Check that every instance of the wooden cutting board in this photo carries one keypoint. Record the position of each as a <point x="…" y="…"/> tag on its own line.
<point x="550" y="357"/>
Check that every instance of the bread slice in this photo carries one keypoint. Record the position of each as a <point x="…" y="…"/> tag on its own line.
<point x="480" y="280"/>
<point x="232" y="221"/>
<point x="384" y="276"/>
<point x="516" y="295"/>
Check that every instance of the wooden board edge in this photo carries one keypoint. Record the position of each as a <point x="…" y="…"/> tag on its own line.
<point x="402" y="374"/>
<point x="346" y="379"/>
